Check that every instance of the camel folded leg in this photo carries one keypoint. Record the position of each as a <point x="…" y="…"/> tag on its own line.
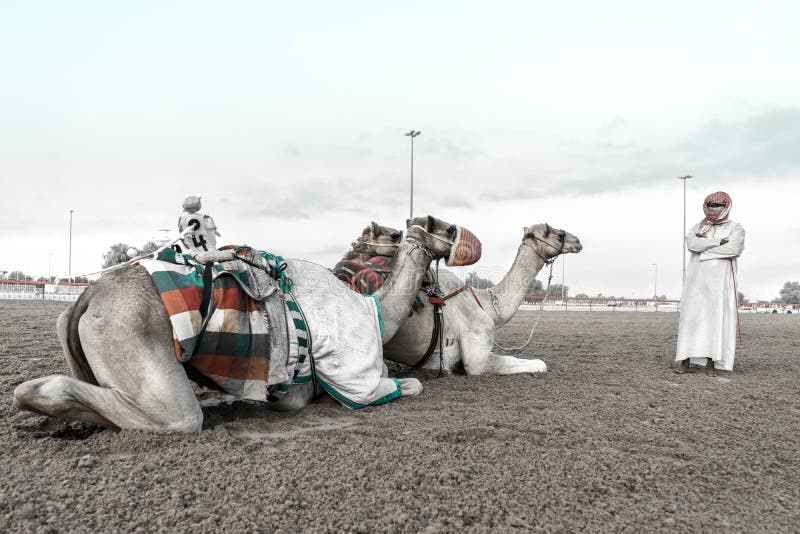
<point x="478" y="359"/>
<point x="65" y="397"/>
<point x="498" y="364"/>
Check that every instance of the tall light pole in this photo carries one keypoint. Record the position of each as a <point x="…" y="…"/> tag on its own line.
<point x="655" y="281"/>
<point x="683" y="244"/>
<point x="49" y="262"/>
<point x="69" y="261"/>
<point x="412" y="134"/>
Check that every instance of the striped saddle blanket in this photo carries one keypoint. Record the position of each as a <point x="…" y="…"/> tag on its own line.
<point x="232" y="345"/>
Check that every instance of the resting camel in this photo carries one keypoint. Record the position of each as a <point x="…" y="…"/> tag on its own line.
<point x="118" y="342"/>
<point x="469" y="329"/>
<point x="375" y="240"/>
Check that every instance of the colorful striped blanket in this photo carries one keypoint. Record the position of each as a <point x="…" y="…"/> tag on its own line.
<point x="232" y="345"/>
<point x="365" y="278"/>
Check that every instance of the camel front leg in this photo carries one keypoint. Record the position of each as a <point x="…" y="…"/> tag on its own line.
<point x="498" y="364"/>
<point x="65" y="397"/>
<point x="478" y="358"/>
<point x="410" y="387"/>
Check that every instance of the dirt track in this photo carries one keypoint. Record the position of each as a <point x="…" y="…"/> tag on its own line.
<point x="609" y="440"/>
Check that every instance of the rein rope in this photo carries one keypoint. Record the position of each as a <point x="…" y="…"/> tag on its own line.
<point x="549" y="262"/>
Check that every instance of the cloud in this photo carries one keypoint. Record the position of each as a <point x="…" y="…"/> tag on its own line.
<point x="619" y="157"/>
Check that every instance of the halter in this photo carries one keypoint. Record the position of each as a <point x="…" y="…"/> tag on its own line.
<point x="443" y="240"/>
<point x="546" y="261"/>
<point x="392" y="245"/>
<point x="419" y="245"/>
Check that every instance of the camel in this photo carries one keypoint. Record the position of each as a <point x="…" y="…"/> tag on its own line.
<point x="469" y="328"/>
<point x="375" y="240"/>
<point x="118" y="342"/>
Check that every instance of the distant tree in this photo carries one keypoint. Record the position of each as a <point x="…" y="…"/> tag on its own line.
<point x="740" y="298"/>
<point x="476" y="281"/>
<point x="790" y="294"/>
<point x="536" y="288"/>
<point x="19" y="275"/>
<point x="116" y="253"/>
<point x="581" y="296"/>
<point x="555" y="290"/>
<point x="150" y="246"/>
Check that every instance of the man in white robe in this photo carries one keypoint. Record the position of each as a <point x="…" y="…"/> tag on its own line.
<point x="708" y="320"/>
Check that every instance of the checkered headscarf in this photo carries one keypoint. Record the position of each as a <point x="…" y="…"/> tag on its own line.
<point x="715" y="217"/>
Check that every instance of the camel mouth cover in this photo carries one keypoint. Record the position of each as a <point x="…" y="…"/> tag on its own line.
<point x="466" y="248"/>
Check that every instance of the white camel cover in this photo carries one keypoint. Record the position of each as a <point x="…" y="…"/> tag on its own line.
<point x="349" y="319"/>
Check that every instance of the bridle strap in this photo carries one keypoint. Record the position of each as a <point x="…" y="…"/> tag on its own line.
<point x="559" y="250"/>
<point x="443" y="240"/>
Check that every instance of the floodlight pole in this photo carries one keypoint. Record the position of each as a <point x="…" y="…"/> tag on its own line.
<point x="683" y="244"/>
<point x="49" y="263"/>
<point x="69" y="261"/>
<point x="655" y="282"/>
<point x="412" y="134"/>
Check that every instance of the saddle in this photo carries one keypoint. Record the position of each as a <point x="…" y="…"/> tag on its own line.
<point x="234" y="318"/>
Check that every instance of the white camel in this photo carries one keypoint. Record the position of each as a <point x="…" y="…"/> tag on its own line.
<point x="469" y="328"/>
<point x="118" y="342"/>
<point x="375" y="240"/>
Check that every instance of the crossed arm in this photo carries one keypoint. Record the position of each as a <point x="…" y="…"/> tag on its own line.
<point x="712" y="249"/>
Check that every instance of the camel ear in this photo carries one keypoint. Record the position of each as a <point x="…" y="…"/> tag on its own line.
<point x="431" y="222"/>
<point x="547" y="229"/>
<point x="409" y="222"/>
<point x="375" y="229"/>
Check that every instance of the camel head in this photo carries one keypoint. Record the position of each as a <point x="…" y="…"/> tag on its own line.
<point x="444" y="240"/>
<point x="435" y="234"/>
<point x="549" y="242"/>
<point x="376" y="240"/>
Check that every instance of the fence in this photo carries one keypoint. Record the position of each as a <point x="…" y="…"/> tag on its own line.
<point x="29" y="289"/>
<point x="533" y="302"/>
<point x="40" y="290"/>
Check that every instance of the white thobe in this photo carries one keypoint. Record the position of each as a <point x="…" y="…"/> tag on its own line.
<point x="708" y="303"/>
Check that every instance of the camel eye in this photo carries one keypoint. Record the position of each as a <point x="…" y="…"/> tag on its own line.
<point x="396" y="236"/>
<point x="451" y="232"/>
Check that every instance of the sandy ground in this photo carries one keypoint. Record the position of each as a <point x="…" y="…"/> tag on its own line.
<point x="609" y="440"/>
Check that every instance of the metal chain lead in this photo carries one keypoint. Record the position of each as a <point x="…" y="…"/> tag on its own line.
<point x="541" y="310"/>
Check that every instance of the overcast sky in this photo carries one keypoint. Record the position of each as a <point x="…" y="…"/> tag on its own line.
<point x="288" y="119"/>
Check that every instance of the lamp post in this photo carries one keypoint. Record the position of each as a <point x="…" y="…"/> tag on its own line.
<point x="69" y="261"/>
<point x="49" y="263"/>
<point x="412" y="134"/>
<point x="683" y="245"/>
<point x="655" y="281"/>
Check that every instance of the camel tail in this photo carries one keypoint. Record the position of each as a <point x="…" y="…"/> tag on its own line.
<point x="70" y="338"/>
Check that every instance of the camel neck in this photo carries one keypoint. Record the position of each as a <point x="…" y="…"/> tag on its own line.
<point x="510" y="292"/>
<point x="401" y="287"/>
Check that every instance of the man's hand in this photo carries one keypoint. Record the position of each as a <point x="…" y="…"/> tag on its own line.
<point x="723" y="241"/>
